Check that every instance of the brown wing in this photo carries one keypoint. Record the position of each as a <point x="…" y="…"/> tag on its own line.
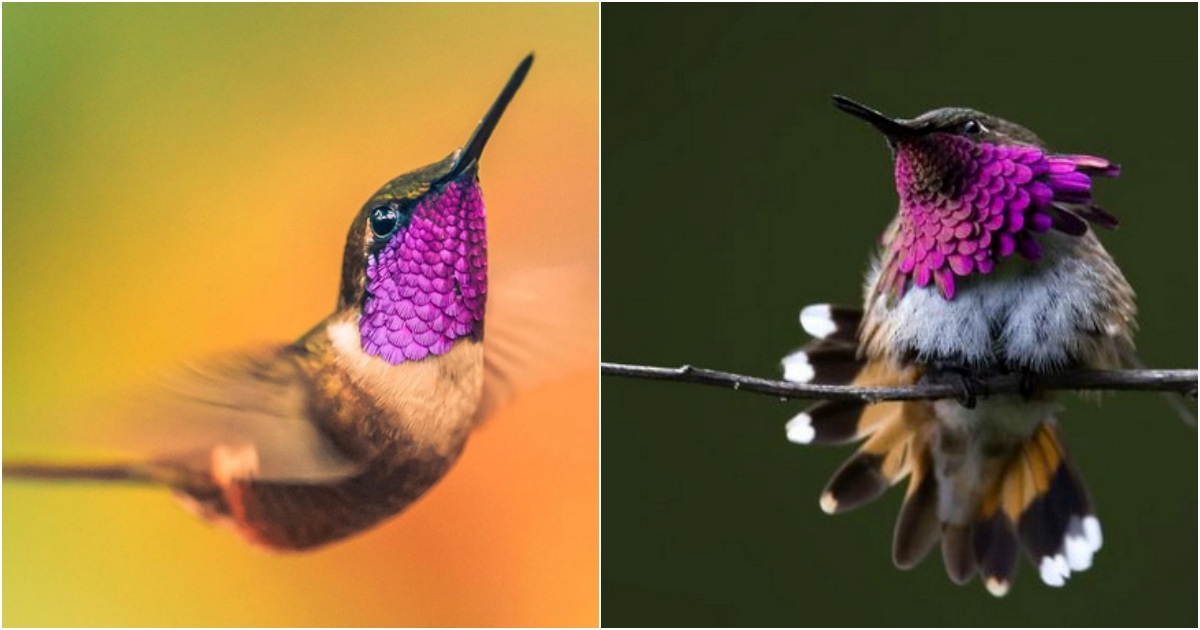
<point x="243" y="415"/>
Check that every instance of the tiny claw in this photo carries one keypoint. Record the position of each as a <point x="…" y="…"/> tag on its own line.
<point x="968" y="385"/>
<point x="1027" y="384"/>
<point x="966" y="390"/>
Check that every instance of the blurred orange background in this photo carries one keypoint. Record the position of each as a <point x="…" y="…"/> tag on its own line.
<point x="178" y="181"/>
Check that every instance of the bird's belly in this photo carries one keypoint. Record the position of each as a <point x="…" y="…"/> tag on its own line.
<point x="431" y="402"/>
<point x="1040" y="316"/>
<point x="403" y="425"/>
<point x="970" y="447"/>
<point x="988" y="324"/>
<point x="297" y="516"/>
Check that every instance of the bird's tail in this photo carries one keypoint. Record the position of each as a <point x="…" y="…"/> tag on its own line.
<point x="1039" y="501"/>
<point x="119" y="472"/>
<point x="983" y="496"/>
<point x="196" y="489"/>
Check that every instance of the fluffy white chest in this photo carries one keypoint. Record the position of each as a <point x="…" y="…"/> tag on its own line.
<point x="1071" y="306"/>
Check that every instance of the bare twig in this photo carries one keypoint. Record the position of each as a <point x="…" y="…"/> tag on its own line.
<point x="1180" y="381"/>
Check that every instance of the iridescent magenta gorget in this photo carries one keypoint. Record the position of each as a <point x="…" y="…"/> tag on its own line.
<point x="426" y="288"/>
<point x="965" y="206"/>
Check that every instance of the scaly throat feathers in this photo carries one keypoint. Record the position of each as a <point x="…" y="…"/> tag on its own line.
<point x="966" y="205"/>
<point x="427" y="286"/>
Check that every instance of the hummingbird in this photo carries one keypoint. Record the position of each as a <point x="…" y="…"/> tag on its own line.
<point x="991" y="266"/>
<point x="297" y="445"/>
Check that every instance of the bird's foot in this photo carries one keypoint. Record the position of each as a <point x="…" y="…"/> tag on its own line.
<point x="1027" y="384"/>
<point x="967" y="382"/>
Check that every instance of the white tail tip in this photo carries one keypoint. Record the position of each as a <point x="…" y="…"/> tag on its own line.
<point x="800" y="429"/>
<point x="817" y="320"/>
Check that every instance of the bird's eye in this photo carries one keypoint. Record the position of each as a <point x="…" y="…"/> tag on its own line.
<point x="973" y="127"/>
<point x="384" y="221"/>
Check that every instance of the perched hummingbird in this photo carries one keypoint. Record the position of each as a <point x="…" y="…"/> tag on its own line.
<point x="989" y="267"/>
<point x="299" y="445"/>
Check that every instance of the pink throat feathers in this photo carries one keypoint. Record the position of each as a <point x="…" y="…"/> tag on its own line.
<point x="965" y="206"/>
<point x="426" y="287"/>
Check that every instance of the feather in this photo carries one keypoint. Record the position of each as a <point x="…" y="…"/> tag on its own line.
<point x="958" y="552"/>
<point x="828" y="422"/>
<point x="830" y="322"/>
<point x="917" y="527"/>
<point x="822" y="363"/>
<point x="995" y="547"/>
<point x="540" y="324"/>
<point x="247" y="410"/>
<point x="881" y="461"/>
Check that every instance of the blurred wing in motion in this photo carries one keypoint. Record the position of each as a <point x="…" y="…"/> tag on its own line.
<point x="541" y="324"/>
<point x="244" y="415"/>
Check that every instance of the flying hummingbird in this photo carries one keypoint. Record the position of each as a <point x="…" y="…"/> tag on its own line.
<point x="301" y="444"/>
<point x="990" y="267"/>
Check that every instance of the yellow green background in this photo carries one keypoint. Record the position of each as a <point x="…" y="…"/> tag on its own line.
<point x="178" y="181"/>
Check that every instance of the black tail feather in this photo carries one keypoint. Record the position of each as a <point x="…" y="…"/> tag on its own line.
<point x="828" y="422"/>
<point x="917" y="527"/>
<point x="822" y="362"/>
<point x="859" y="481"/>
<point x="996" y="552"/>
<point x="958" y="553"/>
<point x="832" y="323"/>
<point x="1057" y="527"/>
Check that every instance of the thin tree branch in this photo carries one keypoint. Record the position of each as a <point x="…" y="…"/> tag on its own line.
<point x="1180" y="381"/>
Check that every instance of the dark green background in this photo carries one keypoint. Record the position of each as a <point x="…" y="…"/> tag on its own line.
<point x="734" y="194"/>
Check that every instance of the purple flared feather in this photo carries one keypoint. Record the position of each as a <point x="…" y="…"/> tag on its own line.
<point x="1008" y="195"/>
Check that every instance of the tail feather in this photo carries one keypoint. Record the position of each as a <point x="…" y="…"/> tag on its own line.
<point x="196" y="490"/>
<point x="995" y="538"/>
<point x="917" y="528"/>
<point x="832" y="359"/>
<point x="996" y="551"/>
<point x="822" y="362"/>
<point x="121" y="472"/>
<point x="829" y="422"/>
<point x="958" y="552"/>
<point x="830" y="322"/>
<point x="997" y="494"/>
<point x="841" y="421"/>
<point x="883" y="460"/>
<point x="1058" y="529"/>
<point x="1039" y="504"/>
<point x="832" y="356"/>
<point x="859" y="481"/>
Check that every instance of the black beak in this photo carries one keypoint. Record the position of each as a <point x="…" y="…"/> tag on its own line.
<point x="890" y="127"/>
<point x="468" y="158"/>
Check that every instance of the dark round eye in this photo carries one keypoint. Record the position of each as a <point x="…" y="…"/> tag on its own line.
<point x="973" y="127"/>
<point x="384" y="221"/>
